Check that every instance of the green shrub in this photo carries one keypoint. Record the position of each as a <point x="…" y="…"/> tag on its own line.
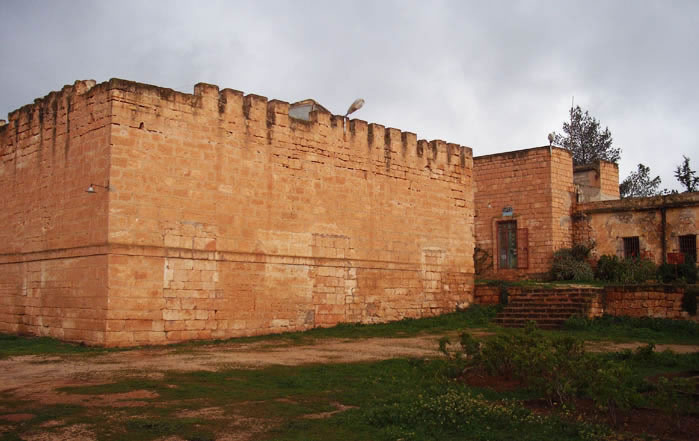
<point x="581" y="252"/>
<point x="689" y="300"/>
<point x="554" y="368"/>
<point x="614" y="269"/>
<point x="461" y="414"/>
<point x="570" y="264"/>
<point x="673" y="396"/>
<point x="642" y="270"/>
<point x="667" y="273"/>
<point x="470" y="346"/>
<point x="689" y="272"/>
<point x="645" y="353"/>
<point x="611" y="324"/>
<point x="608" y="268"/>
<point x="497" y="354"/>
<point x="683" y="273"/>
<point x="576" y="323"/>
<point x="613" y="388"/>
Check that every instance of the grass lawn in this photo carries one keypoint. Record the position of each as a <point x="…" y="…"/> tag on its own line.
<point x="408" y="399"/>
<point x="387" y="399"/>
<point x="607" y="328"/>
<point x="394" y="399"/>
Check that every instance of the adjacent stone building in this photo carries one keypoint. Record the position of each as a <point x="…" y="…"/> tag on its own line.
<point x="530" y="203"/>
<point x="657" y="228"/>
<point x="524" y="200"/>
<point x="216" y="214"/>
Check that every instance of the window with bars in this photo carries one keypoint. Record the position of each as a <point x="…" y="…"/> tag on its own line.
<point x="688" y="247"/>
<point x="632" y="247"/>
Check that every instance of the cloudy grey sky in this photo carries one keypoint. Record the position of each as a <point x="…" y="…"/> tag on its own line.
<point x="494" y="76"/>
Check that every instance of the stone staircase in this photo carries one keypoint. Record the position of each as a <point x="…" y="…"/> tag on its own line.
<point x="549" y="308"/>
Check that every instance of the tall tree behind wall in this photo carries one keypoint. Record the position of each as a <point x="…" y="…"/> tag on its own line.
<point x="586" y="141"/>
<point x="686" y="176"/>
<point x="640" y="184"/>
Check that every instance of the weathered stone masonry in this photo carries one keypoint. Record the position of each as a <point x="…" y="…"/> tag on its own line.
<point x="224" y="217"/>
<point x="536" y="187"/>
<point x="658" y="221"/>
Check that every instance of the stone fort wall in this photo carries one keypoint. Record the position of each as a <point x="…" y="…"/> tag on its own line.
<point x="53" y="273"/>
<point x="225" y="217"/>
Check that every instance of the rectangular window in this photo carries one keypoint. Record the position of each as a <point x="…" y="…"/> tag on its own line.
<point x="507" y="244"/>
<point x="688" y="247"/>
<point x="632" y="247"/>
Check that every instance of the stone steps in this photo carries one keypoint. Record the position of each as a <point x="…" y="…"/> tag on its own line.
<point x="548" y="310"/>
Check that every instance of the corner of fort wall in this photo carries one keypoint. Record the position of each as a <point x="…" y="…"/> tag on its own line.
<point x="216" y="215"/>
<point x="53" y="266"/>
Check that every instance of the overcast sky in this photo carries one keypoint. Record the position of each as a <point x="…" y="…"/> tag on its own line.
<point x="494" y="76"/>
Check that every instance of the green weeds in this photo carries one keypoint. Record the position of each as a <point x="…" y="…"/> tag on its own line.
<point x="13" y="345"/>
<point x="645" y="329"/>
<point x="561" y="371"/>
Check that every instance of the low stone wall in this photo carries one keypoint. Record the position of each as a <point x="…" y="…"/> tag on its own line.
<point x="659" y="301"/>
<point x="645" y="301"/>
<point x="486" y="295"/>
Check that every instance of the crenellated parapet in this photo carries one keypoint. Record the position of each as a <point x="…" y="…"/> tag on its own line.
<point x="257" y="116"/>
<point x="268" y="120"/>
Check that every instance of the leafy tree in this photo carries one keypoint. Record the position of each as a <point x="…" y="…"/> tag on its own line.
<point x="639" y="184"/>
<point x="584" y="138"/>
<point x="685" y="175"/>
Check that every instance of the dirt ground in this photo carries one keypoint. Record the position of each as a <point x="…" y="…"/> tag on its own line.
<point x="36" y="377"/>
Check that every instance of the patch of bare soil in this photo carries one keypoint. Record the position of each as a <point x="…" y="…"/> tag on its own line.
<point x="210" y="413"/>
<point x="127" y="399"/>
<point x="339" y="407"/>
<point x="76" y="432"/>
<point x="37" y="381"/>
<point x="634" y="421"/>
<point x="480" y="378"/>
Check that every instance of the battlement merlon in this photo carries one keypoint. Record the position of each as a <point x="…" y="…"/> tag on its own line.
<point x="258" y="115"/>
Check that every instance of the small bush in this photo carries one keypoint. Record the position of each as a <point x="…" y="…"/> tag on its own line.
<point x="673" y="396"/>
<point x="470" y="346"/>
<point x="556" y="369"/>
<point x="581" y="252"/>
<point x="614" y="269"/>
<point x="689" y="300"/>
<point x="642" y="270"/>
<point x="682" y="273"/>
<point x="613" y="389"/>
<point x="570" y="264"/>
<point x="645" y="353"/>
<point x="576" y="323"/>
<point x="608" y="268"/>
